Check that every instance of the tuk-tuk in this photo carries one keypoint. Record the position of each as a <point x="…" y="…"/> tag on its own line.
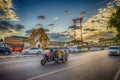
<point x="56" y="56"/>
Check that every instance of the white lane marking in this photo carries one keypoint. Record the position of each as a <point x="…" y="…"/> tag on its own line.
<point x="117" y="75"/>
<point x="42" y="75"/>
<point x="56" y="71"/>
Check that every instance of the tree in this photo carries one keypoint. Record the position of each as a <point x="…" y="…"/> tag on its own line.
<point x="114" y="22"/>
<point x="1" y="40"/>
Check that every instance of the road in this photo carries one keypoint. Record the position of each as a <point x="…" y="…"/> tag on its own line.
<point x="80" y="66"/>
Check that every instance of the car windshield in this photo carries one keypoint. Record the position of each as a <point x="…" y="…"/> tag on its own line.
<point x="33" y="48"/>
<point x="53" y="48"/>
<point x="113" y="47"/>
<point x="73" y="47"/>
<point x="62" y="47"/>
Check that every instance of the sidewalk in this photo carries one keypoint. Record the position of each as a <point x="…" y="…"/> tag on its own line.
<point x="15" y="55"/>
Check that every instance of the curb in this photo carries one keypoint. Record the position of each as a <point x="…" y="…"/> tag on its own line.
<point x="17" y="56"/>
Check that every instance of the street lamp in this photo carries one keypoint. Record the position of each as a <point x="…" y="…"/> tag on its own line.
<point x="74" y="20"/>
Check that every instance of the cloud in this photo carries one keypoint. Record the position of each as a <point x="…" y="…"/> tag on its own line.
<point x="56" y="18"/>
<point x="19" y="27"/>
<point x="7" y="10"/>
<point x="11" y="31"/>
<point x="90" y="29"/>
<point x="101" y="19"/>
<point x="65" y="32"/>
<point x="4" y="25"/>
<point x="39" y="25"/>
<point x="41" y="17"/>
<point x="87" y="29"/>
<point x="30" y="31"/>
<point x="82" y="14"/>
<point x="102" y="2"/>
<point x="8" y="27"/>
<point x="67" y="12"/>
<point x="60" y="37"/>
<point x="50" y="25"/>
<point x="73" y="26"/>
<point x="103" y="15"/>
<point x="46" y="30"/>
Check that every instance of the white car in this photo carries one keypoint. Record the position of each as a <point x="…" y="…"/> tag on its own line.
<point x="114" y="50"/>
<point x="33" y="50"/>
<point x="74" y="50"/>
<point x="95" y="49"/>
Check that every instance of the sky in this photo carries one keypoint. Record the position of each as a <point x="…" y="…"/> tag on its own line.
<point x="54" y="12"/>
<point x="55" y="16"/>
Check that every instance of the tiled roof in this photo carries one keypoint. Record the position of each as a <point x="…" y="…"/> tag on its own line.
<point x="12" y="41"/>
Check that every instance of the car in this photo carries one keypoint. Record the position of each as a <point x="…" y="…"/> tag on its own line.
<point x="5" y="51"/>
<point x="96" y="48"/>
<point x="84" y="49"/>
<point x="74" y="49"/>
<point x="92" y="49"/>
<point x="33" y="50"/>
<point x="62" y="48"/>
<point x="114" y="50"/>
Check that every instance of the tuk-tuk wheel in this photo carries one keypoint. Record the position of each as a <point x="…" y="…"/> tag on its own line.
<point x="64" y="60"/>
<point x="43" y="61"/>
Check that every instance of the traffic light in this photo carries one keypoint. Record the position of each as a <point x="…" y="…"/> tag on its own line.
<point x="1" y="40"/>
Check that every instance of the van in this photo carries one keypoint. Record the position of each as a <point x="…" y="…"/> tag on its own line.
<point x="114" y="50"/>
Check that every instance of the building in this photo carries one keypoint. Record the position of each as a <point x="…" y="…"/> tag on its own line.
<point x="105" y="42"/>
<point x="21" y="38"/>
<point x="16" y="43"/>
<point x="39" y="38"/>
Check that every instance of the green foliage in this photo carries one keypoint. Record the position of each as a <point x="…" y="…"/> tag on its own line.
<point x="79" y="47"/>
<point x="114" y="22"/>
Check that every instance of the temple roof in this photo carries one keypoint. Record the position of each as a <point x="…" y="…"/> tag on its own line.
<point x="38" y="31"/>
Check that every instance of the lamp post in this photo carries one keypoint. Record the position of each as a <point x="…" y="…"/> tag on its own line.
<point x="74" y="20"/>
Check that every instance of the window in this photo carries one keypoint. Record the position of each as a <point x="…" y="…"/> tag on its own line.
<point x="113" y="47"/>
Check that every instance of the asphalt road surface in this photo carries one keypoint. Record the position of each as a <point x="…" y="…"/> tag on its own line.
<point x="80" y="66"/>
